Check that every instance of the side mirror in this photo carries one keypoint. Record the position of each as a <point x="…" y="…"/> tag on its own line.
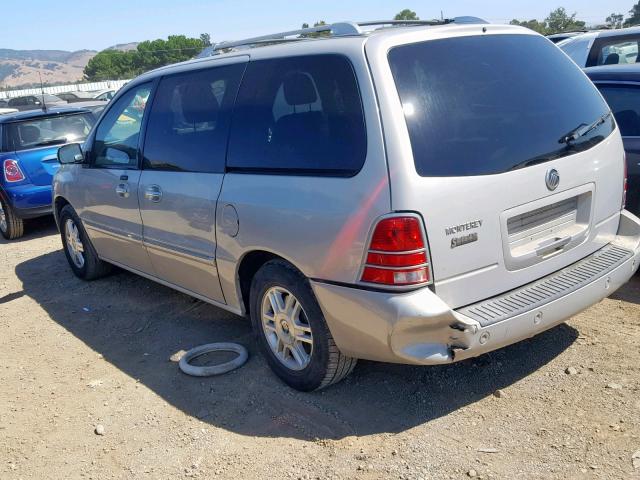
<point x="71" y="153"/>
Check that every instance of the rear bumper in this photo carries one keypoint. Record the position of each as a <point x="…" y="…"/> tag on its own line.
<point x="419" y="328"/>
<point x="29" y="201"/>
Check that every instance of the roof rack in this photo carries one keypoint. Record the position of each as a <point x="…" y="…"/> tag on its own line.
<point x="340" y="29"/>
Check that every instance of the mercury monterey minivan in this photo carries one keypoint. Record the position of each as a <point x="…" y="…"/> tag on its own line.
<point x="411" y="192"/>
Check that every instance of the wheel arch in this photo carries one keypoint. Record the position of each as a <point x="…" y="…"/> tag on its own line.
<point x="248" y="266"/>
<point x="58" y="204"/>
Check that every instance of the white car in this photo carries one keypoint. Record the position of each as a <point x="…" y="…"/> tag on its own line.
<point x="606" y="47"/>
<point x="4" y="111"/>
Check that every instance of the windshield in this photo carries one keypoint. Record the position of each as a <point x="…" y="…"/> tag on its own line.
<point x="40" y="132"/>
<point x="486" y="105"/>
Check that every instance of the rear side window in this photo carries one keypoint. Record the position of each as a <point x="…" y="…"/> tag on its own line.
<point x="299" y="115"/>
<point x="624" y="101"/>
<point x="484" y="104"/>
<point x="189" y="120"/>
<point x="577" y="48"/>
<point x="615" y="50"/>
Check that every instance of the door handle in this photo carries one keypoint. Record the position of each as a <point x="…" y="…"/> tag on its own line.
<point x="551" y="246"/>
<point x="123" y="190"/>
<point x="153" y="193"/>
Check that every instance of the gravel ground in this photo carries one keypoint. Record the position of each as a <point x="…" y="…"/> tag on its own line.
<point x="88" y="391"/>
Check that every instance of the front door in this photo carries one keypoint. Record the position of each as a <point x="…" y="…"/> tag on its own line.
<point x="110" y="180"/>
<point x="183" y="169"/>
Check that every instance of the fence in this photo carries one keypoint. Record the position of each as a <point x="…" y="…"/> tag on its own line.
<point x="71" y="87"/>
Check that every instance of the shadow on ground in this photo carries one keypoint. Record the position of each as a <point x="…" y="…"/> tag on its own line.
<point x="137" y="324"/>
<point x="630" y="292"/>
<point x="35" y="228"/>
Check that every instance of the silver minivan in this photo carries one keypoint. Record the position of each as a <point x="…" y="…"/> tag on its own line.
<point x="417" y="193"/>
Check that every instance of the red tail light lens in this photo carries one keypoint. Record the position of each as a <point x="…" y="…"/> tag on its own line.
<point x="397" y="234"/>
<point x="397" y="253"/>
<point x="624" y="183"/>
<point x="12" y="172"/>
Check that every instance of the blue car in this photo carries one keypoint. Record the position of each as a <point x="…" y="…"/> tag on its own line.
<point x="29" y="143"/>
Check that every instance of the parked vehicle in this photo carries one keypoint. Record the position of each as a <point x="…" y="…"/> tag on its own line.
<point x="94" y="106"/>
<point x="620" y="86"/>
<point x="421" y="194"/>
<point x="105" y="95"/>
<point x="603" y="47"/>
<point x="34" y="102"/>
<point x="558" y="37"/>
<point x="77" y="96"/>
<point x="28" y="145"/>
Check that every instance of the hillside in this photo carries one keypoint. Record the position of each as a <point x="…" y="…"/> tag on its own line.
<point x="20" y="68"/>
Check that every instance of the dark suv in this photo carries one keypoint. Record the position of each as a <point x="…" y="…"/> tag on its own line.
<point x="620" y="86"/>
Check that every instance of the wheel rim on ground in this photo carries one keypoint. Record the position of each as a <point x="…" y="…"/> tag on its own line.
<point x="3" y="219"/>
<point x="74" y="244"/>
<point x="286" y="328"/>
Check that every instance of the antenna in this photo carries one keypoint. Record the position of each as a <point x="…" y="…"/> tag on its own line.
<point x="44" y="104"/>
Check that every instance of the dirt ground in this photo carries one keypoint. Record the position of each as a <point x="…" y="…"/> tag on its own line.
<point x="75" y="355"/>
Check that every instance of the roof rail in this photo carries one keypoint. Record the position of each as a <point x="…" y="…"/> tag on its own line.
<point x="339" y="29"/>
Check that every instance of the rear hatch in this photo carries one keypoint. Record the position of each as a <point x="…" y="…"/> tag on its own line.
<point x="36" y="142"/>
<point x="509" y="154"/>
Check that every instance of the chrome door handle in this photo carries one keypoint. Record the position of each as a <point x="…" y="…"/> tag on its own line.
<point x="123" y="190"/>
<point x="153" y="193"/>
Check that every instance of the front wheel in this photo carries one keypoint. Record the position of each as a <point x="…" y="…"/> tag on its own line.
<point x="291" y="330"/>
<point x="11" y="226"/>
<point x="81" y="255"/>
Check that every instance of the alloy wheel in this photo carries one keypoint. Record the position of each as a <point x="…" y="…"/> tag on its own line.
<point x="286" y="328"/>
<point x="74" y="244"/>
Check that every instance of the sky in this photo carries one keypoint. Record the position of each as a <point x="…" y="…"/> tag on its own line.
<point x="93" y="25"/>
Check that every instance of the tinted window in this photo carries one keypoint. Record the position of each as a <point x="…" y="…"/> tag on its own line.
<point x="300" y="113"/>
<point x="615" y="50"/>
<point x="116" y="142"/>
<point x="577" y="48"/>
<point x="625" y="104"/>
<point x="39" y="132"/>
<point x="484" y="105"/>
<point x="189" y="120"/>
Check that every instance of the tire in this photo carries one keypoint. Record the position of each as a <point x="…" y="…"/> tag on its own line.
<point x="11" y="226"/>
<point x="325" y="364"/>
<point x="89" y="267"/>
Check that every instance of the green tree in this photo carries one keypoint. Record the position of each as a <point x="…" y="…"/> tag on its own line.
<point x="560" y="21"/>
<point x="534" y="25"/>
<point x="406" y="14"/>
<point x="615" y="20"/>
<point x="205" y="38"/>
<point x="150" y="54"/>
<point x="634" y="16"/>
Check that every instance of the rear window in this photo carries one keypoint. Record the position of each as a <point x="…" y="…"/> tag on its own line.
<point x="41" y="132"/>
<point x="483" y="105"/>
<point x="624" y="101"/>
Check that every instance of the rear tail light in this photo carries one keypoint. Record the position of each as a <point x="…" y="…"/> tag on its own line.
<point x="12" y="172"/>
<point x="397" y="254"/>
<point x="624" y="183"/>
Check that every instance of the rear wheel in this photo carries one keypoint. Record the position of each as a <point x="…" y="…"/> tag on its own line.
<point x="11" y="226"/>
<point x="291" y="329"/>
<point x="81" y="255"/>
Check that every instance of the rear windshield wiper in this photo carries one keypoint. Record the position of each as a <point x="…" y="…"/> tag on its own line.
<point x="58" y="141"/>
<point x="582" y="129"/>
